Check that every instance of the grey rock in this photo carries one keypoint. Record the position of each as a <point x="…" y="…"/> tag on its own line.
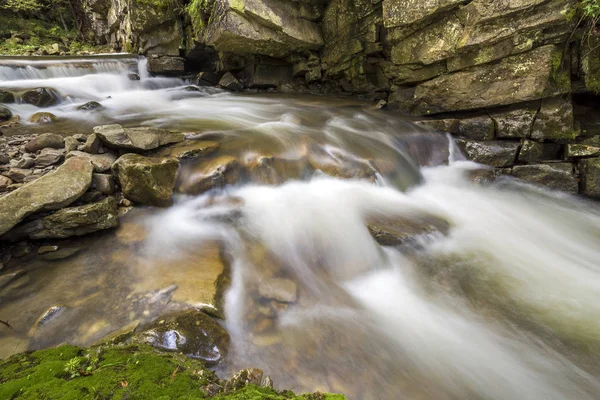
<point x="101" y="162"/>
<point x="136" y="139"/>
<point x="590" y="177"/>
<point x="478" y="128"/>
<point x="18" y="174"/>
<point x="493" y="153"/>
<point x="51" y="192"/>
<point x="71" y="143"/>
<point x="49" y="157"/>
<point x="554" y="121"/>
<point x="45" y="140"/>
<point x="555" y="176"/>
<point x="514" y="124"/>
<point x="104" y="183"/>
<point x="92" y="144"/>
<point x="230" y="82"/>
<point x="40" y="97"/>
<point x="534" y="152"/>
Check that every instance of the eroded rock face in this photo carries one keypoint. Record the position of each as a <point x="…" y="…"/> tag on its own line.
<point x="147" y="180"/>
<point x="192" y="333"/>
<point x="136" y="139"/>
<point x="270" y="27"/>
<point x="50" y="192"/>
<point x="494" y="153"/>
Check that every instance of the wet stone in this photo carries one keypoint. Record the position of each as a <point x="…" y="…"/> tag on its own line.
<point x="49" y="315"/>
<point x="62" y="253"/>
<point x="192" y="333"/>
<point x="40" y="97"/>
<point x="555" y="176"/>
<point x="43" y="118"/>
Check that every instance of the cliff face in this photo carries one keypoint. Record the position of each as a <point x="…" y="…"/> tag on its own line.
<point x="501" y="74"/>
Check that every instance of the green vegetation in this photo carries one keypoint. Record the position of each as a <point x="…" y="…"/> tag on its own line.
<point x="199" y="12"/>
<point x="120" y="372"/>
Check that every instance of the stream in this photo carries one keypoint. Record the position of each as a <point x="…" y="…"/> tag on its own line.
<point x="499" y="300"/>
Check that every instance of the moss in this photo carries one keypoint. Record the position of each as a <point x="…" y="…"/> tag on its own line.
<point x="119" y="372"/>
<point x="559" y="77"/>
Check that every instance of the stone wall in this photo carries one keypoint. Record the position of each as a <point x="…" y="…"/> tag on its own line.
<point x="511" y="79"/>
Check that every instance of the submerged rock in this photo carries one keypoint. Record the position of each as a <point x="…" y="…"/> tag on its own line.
<point x="45" y="140"/>
<point x="147" y="180"/>
<point x="189" y="149"/>
<point x="396" y="231"/>
<point x="192" y="333"/>
<point x="50" y="192"/>
<point x="279" y="289"/>
<point x="137" y="139"/>
<point x="210" y="174"/>
<point x="40" y="97"/>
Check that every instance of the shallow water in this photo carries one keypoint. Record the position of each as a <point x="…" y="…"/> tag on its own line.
<point x="504" y="305"/>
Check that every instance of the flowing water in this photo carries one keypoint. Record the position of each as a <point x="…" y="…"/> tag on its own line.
<point x="500" y="301"/>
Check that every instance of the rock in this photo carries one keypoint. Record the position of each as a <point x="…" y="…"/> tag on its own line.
<point x="230" y="82"/>
<point x="533" y="152"/>
<point x="514" y="124"/>
<point x="245" y="377"/>
<point x="147" y="180"/>
<point x="267" y="27"/>
<point x="62" y="253"/>
<point x="49" y="315"/>
<point x="50" y="192"/>
<point x="4" y="159"/>
<point x="92" y="144"/>
<point x="449" y="125"/>
<point x="192" y="333"/>
<point x="91" y="106"/>
<point x="492" y="153"/>
<point x="555" y="176"/>
<point x="72" y="221"/>
<point x="80" y="137"/>
<point x="71" y="143"/>
<point x="5" y="182"/>
<point x="398" y="13"/>
<point x="43" y="118"/>
<point x="279" y="289"/>
<point x="211" y="174"/>
<point x="24" y="163"/>
<point x="137" y="139"/>
<point x="51" y="140"/>
<point x="5" y="114"/>
<point x="17" y="175"/>
<point x="397" y="231"/>
<point x="104" y="183"/>
<point x="47" y="249"/>
<point x="6" y="97"/>
<point x="206" y="78"/>
<point x="554" y="121"/>
<point x="188" y="149"/>
<point x="40" y="97"/>
<point x="582" y="150"/>
<point x="101" y="162"/>
<point x="133" y="76"/>
<point x="167" y="66"/>
<point x="49" y="157"/>
<point x="478" y="128"/>
<point x="590" y="177"/>
<point x="519" y="78"/>
<point x="340" y="164"/>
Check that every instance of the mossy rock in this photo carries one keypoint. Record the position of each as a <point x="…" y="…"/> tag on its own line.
<point x="120" y="372"/>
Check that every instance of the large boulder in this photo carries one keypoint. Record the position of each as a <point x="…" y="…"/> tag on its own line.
<point x="40" y="97"/>
<point x="555" y="176"/>
<point x="136" y="139"/>
<point x="147" y="180"/>
<point x="72" y="221"/>
<point x="274" y="28"/>
<point x="6" y="97"/>
<point x="192" y="333"/>
<point x="520" y="78"/>
<point x="50" y="192"/>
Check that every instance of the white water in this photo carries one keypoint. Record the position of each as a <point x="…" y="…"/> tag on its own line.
<point x="505" y="306"/>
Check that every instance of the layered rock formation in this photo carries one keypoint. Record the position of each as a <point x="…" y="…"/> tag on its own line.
<point x="511" y="77"/>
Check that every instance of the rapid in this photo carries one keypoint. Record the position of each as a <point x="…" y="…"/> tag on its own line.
<point x="498" y="299"/>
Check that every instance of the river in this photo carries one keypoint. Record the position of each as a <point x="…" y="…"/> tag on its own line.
<point x="503" y="302"/>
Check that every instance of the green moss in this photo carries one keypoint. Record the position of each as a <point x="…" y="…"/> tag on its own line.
<point x="119" y="372"/>
<point x="200" y="12"/>
<point x="559" y="77"/>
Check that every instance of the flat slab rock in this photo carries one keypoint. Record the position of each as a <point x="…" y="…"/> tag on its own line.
<point x="53" y="191"/>
<point x="137" y="139"/>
